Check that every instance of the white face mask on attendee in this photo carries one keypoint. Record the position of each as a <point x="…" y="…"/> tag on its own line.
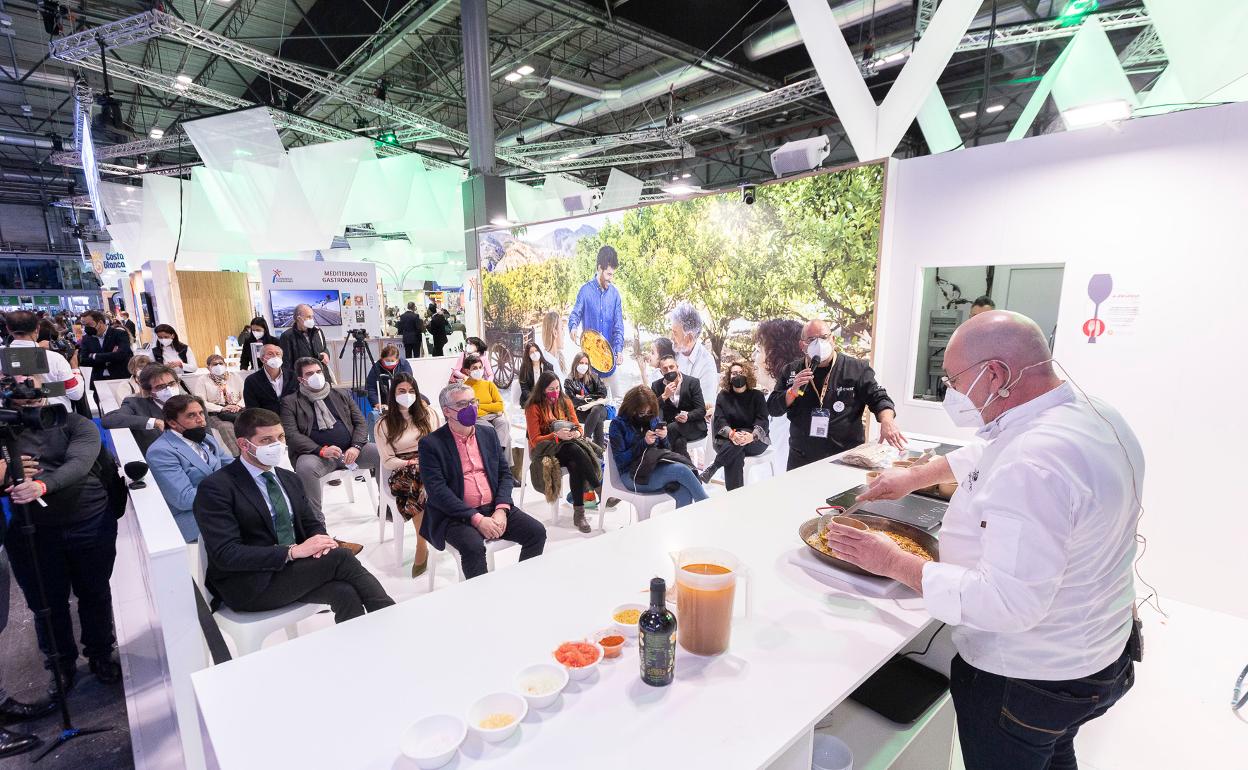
<point x="535" y="356"/>
<point x="316" y="381"/>
<point x="308" y="323"/>
<point x="257" y="335"/>
<point x="166" y="341"/>
<point x="274" y="363"/>
<point x="217" y="369"/>
<point x="476" y="374"/>
<point x="164" y="394"/>
<point x="405" y="400"/>
<point x="581" y="369"/>
<point x="820" y="348"/>
<point x="269" y="454"/>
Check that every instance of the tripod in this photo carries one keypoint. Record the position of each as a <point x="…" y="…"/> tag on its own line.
<point x="361" y="361"/>
<point x="8" y="448"/>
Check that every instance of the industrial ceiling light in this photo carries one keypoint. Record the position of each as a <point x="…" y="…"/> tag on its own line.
<point x="691" y="116"/>
<point x="156" y="133"/>
<point x="524" y="70"/>
<point x="502" y="222"/>
<point x="184" y="79"/>
<point x="994" y="109"/>
<point x="1088" y="115"/>
<point x="512" y="77"/>
<point x="141" y="164"/>
<point x="685" y="175"/>
<point x="1075" y="11"/>
<point x="678" y="189"/>
<point x="967" y="115"/>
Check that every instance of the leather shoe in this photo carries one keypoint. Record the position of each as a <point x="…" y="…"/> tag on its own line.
<point x="578" y="519"/>
<point x="69" y="677"/>
<point x="16" y="743"/>
<point x="106" y="669"/>
<point x="15" y="711"/>
<point x="419" y="569"/>
<point x="354" y="548"/>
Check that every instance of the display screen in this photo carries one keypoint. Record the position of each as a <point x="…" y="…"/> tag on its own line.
<point x="326" y="306"/>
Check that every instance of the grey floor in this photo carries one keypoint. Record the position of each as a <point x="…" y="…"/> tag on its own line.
<point x="91" y="703"/>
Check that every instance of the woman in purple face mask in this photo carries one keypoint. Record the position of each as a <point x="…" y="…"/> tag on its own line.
<point x="556" y="441"/>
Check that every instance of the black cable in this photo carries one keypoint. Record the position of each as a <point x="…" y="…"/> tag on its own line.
<point x="939" y="628"/>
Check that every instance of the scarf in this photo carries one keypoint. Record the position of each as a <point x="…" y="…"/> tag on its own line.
<point x="222" y="384"/>
<point x="324" y="417"/>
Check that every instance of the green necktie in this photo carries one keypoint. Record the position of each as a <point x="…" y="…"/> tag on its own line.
<point x="281" y="514"/>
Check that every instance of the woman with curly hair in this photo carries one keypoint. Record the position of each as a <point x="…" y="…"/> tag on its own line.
<point x="740" y="427"/>
<point x="778" y="342"/>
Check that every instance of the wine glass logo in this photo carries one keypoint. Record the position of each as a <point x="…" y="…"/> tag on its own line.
<point x="1100" y="286"/>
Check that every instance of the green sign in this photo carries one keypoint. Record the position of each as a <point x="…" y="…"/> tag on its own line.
<point x="48" y="301"/>
<point x="9" y="302"/>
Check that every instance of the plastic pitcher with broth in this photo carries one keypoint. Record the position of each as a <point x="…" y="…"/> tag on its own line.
<point x="706" y="582"/>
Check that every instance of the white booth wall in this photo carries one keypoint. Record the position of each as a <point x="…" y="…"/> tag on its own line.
<point x="1161" y="204"/>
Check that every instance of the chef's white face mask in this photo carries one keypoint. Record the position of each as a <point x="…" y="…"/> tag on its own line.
<point x="962" y="410"/>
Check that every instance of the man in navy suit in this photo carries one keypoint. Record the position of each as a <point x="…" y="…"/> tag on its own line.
<point x="184" y="455"/>
<point x="265" y="543"/>
<point x="468" y="481"/>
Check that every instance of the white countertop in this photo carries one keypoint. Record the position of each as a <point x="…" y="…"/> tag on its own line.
<point x="342" y="697"/>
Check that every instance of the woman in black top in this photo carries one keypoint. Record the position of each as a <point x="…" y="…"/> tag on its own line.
<point x="256" y="331"/>
<point x="589" y="396"/>
<point x="530" y="369"/>
<point x="740" y="426"/>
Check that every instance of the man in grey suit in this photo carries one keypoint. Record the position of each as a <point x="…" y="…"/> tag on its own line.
<point x="144" y="414"/>
<point x="325" y="431"/>
<point x="184" y="456"/>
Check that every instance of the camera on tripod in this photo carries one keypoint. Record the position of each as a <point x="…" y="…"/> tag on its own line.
<point x="359" y="335"/>
<point x="17" y="366"/>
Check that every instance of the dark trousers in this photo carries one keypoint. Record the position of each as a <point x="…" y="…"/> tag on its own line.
<point x="337" y="579"/>
<point x="522" y="529"/>
<point x="591" y="421"/>
<point x="438" y="344"/>
<point x="580" y="469"/>
<point x="807" y="454"/>
<point x="411" y="349"/>
<point x="1025" y="724"/>
<point x="680" y="434"/>
<point x="75" y="557"/>
<point x="731" y="458"/>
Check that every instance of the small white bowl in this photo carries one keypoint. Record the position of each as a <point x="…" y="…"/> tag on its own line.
<point x="624" y="628"/>
<point x="538" y="672"/>
<point x="580" y="672"/>
<point x="433" y="741"/>
<point x="497" y="703"/>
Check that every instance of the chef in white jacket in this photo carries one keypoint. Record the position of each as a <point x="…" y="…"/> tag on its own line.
<point x="1036" y="548"/>
<point x="24" y="326"/>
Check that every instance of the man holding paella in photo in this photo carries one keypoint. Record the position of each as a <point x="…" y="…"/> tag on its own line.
<point x="596" y="322"/>
<point x="1036" y="548"/>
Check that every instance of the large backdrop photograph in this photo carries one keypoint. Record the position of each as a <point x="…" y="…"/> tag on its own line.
<point x="711" y="278"/>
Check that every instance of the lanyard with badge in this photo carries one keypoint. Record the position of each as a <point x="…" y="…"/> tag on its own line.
<point x="819" y="418"/>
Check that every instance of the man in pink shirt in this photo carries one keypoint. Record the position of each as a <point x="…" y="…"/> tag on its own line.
<point x="468" y="483"/>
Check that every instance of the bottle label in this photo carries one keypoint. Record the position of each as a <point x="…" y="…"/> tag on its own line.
<point x="658" y="657"/>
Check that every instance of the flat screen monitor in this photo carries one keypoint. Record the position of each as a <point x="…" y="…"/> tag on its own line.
<point x="326" y="306"/>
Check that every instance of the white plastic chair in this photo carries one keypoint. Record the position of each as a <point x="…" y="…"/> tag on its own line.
<point x="559" y="498"/>
<point x="764" y="461"/>
<point x="348" y="481"/>
<point x="519" y="440"/>
<point x="491" y="547"/>
<point x="398" y="523"/>
<point x="250" y="629"/>
<point x="701" y="451"/>
<point x="643" y="502"/>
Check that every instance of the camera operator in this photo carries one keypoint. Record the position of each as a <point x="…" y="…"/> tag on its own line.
<point x="75" y="535"/>
<point x="24" y="327"/>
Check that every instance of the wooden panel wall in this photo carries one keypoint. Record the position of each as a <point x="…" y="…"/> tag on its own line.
<point x="214" y="306"/>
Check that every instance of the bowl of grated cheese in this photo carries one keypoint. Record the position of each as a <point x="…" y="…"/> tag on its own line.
<point x="497" y="715"/>
<point x="541" y="683"/>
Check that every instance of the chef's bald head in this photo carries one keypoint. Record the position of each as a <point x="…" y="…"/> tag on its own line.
<point x="999" y="335"/>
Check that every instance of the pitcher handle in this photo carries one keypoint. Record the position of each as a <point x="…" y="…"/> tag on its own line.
<point x="743" y="577"/>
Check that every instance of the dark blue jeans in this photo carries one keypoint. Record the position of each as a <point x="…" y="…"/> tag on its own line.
<point x="1026" y="724"/>
<point x="75" y="557"/>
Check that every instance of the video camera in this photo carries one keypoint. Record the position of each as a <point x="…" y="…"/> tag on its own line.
<point x="17" y="366"/>
<point x="359" y="335"/>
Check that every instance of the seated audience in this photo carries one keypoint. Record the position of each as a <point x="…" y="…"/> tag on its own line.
<point x="642" y="454"/>
<point x="183" y="456"/>
<point x="172" y="352"/>
<point x="740" y="424"/>
<point x="144" y="414"/>
<point x="385" y="369"/>
<point x="467" y="483"/>
<point x="472" y="346"/>
<point x="589" y="396"/>
<point x="134" y="366"/>
<point x="530" y="368"/>
<point x="265" y="540"/>
<point x="489" y="399"/>
<point x="222" y="393"/>
<point x="407" y="420"/>
<point x="325" y="430"/>
<point x="681" y="405"/>
<point x="556" y="441"/>
<point x="23" y="326"/>
<point x="256" y="332"/>
<point x="75" y="543"/>
<point x="266" y="388"/>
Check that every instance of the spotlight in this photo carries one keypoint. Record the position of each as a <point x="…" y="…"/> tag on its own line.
<point x="994" y="109"/>
<point x="525" y="70"/>
<point x="184" y="79"/>
<point x="156" y="133"/>
<point x="968" y="114"/>
<point x="747" y="194"/>
<point x="512" y="77"/>
<point x="379" y="89"/>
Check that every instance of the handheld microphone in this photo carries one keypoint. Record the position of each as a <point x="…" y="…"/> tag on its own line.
<point x="814" y="364"/>
<point x="136" y="471"/>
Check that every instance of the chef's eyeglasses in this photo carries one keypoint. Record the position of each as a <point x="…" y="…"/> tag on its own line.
<point x="949" y="379"/>
<point x="808" y="340"/>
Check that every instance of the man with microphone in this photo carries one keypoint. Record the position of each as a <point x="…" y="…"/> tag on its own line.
<point x="824" y="395"/>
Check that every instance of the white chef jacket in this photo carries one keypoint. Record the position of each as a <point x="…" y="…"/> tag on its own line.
<point x="59" y="370"/>
<point x="700" y="365"/>
<point x="1037" y="545"/>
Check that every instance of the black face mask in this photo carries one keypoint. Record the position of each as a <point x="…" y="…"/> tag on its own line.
<point x="196" y="434"/>
<point x="643" y="419"/>
<point x="738" y="381"/>
<point x="671" y="376"/>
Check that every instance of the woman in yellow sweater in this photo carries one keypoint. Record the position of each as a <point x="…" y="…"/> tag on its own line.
<point x="490" y="409"/>
<point x="408" y="419"/>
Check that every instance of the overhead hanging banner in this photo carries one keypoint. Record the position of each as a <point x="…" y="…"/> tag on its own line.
<point x="342" y="295"/>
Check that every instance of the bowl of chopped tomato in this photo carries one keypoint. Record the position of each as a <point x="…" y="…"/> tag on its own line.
<point x="580" y="658"/>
